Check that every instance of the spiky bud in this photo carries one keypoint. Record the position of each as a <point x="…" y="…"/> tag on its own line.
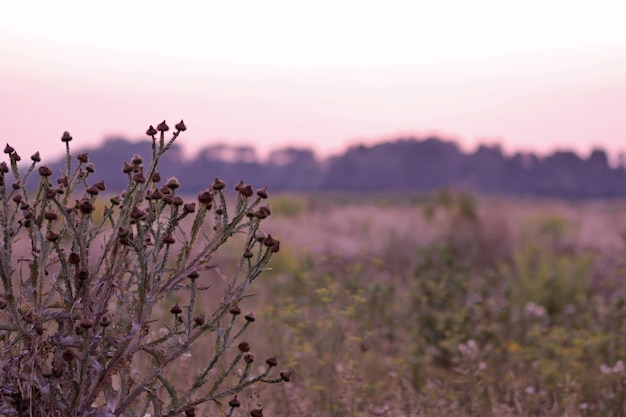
<point x="163" y="127"/>
<point x="44" y="171"/>
<point x="180" y="126"/>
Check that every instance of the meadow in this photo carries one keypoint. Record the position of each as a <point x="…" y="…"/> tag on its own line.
<point x="228" y="303"/>
<point x="448" y="304"/>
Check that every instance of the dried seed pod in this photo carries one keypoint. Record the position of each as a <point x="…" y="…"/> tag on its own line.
<point x="271" y="361"/>
<point x="218" y="184"/>
<point x="9" y="149"/>
<point x="177" y="201"/>
<point x="90" y="167"/>
<point x="262" y="192"/>
<point x="44" y="171"/>
<point x="190" y="412"/>
<point x="136" y="159"/>
<point x="244" y="347"/>
<point x="176" y="309"/>
<point x="151" y="131"/>
<point x="139" y="178"/>
<point x="156" y="177"/>
<point x="83" y="157"/>
<point x="205" y="197"/>
<point x="257" y="412"/>
<point x="85" y="323"/>
<point x="168" y="239"/>
<point x="180" y="126"/>
<point x="68" y="355"/>
<point x="193" y="275"/>
<point x="83" y="274"/>
<point x="270" y="241"/>
<point x="248" y="358"/>
<point x="246" y="191"/>
<point x="250" y="317"/>
<point x="63" y="181"/>
<point x="50" y="215"/>
<point x="100" y="185"/>
<point x="36" y="157"/>
<point x="172" y="183"/>
<point x="66" y="137"/>
<point x="189" y="207"/>
<point x="248" y="254"/>
<point x="52" y="236"/>
<point x="137" y="213"/>
<point x="127" y="168"/>
<point x="234" y="402"/>
<point x="73" y="258"/>
<point x="163" y="127"/>
<point x="91" y="190"/>
<point x="286" y="375"/>
<point x="235" y="311"/>
<point x="199" y="320"/>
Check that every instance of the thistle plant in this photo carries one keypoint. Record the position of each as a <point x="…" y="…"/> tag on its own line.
<point x="83" y="290"/>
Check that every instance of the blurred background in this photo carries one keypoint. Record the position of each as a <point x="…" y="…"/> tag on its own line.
<point x="530" y="76"/>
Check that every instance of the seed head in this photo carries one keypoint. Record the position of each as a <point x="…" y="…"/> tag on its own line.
<point x="44" y="171"/>
<point x="246" y="191"/>
<point x="100" y="186"/>
<point x="235" y="311"/>
<point x="139" y="178"/>
<point x="66" y="137"/>
<point x="83" y="274"/>
<point x="218" y="184"/>
<point x="4" y="168"/>
<point x="190" y="412"/>
<point x="50" y="215"/>
<point x="92" y="190"/>
<point x="248" y="358"/>
<point x="250" y="317"/>
<point x="248" y="254"/>
<point x="163" y="127"/>
<point x="156" y="177"/>
<point x="189" y="207"/>
<point x="172" y="183"/>
<point x="205" y="197"/>
<point x="244" y="347"/>
<point x="83" y="157"/>
<point x="52" y="236"/>
<point x="74" y="258"/>
<point x="193" y="275"/>
<point x="234" y="403"/>
<point x="262" y="192"/>
<point x="286" y="375"/>
<point x="128" y="168"/>
<point x="180" y="126"/>
<point x="168" y="239"/>
<point x="36" y="157"/>
<point x="86" y="323"/>
<point x="68" y="355"/>
<point x="151" y="131"/>
<point x="257" y="412"/>
<point x="177" y="200"/>
<point x="9" y="149"/>
<point x="176" y="309"/>
<point x="199" y="320"/>
<point x="271" y="361"/>
<point x="137" y="213"/>
<point x="270" y="241"/>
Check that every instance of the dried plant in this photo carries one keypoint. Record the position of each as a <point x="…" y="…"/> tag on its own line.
<point x="80" y="301"/>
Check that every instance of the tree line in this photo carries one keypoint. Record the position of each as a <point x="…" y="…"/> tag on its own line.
<point x="405" y="164"/>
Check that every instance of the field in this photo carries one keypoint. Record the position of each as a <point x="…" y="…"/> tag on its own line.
<point x="449" y="305"/>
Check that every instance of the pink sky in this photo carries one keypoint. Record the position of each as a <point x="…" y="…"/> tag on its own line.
<point x="535" y="97"/>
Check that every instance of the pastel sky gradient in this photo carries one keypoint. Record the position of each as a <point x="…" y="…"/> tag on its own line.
<point x="533" y="75"/>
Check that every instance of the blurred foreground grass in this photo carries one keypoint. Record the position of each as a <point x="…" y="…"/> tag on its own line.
<point x="449" y="305"/>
